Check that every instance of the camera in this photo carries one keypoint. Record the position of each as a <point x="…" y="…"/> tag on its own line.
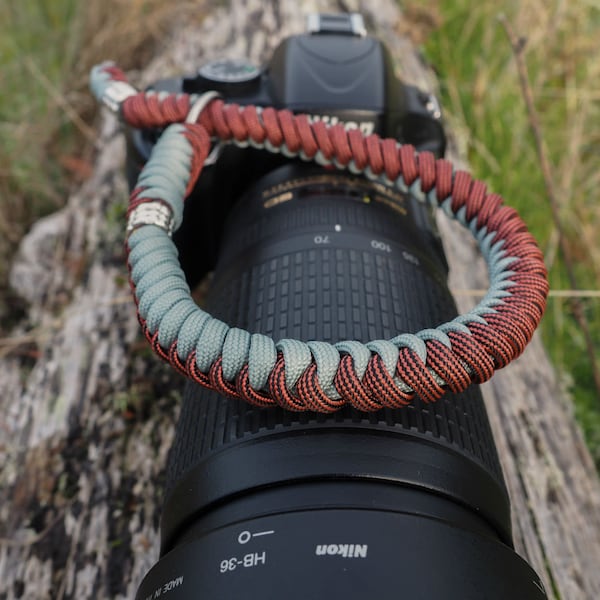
<point x="266" y="503"/>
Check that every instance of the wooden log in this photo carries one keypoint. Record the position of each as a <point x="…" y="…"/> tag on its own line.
<point x="88" y="412"/>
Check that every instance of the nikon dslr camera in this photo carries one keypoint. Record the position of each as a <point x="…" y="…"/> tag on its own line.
<point x="263" y="503"/>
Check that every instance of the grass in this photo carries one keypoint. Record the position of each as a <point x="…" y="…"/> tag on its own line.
<point x="29" y="29"/>
<point x="47" y="48"/>
<point x="484" y="103"/>
<point x="46" y="141"/>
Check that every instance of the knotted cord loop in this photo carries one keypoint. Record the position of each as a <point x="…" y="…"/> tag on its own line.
<point x="316" y="375"/>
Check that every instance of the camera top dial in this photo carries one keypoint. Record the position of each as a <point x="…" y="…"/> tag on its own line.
<point x="229" y="70"/>
<point x="226" y="75"/>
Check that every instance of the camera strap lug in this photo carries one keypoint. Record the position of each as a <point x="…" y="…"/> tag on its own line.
<point x="116" y="93"/>
<point x="193" y="116"/>
<point x="200" y="104"/>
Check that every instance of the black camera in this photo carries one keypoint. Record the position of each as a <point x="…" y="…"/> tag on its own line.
<point x="266" y="503"/>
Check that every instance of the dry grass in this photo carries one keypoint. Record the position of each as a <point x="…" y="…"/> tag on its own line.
<point x="46" y="110"/>
<point x="484" y="102"/>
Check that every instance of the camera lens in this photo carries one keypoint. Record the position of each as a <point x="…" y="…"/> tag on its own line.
<point x="402" y="503"/>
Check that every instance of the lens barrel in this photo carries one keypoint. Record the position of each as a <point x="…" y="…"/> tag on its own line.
<point x="400" y="503"/>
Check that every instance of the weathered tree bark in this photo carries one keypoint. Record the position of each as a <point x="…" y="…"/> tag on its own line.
<point x="88" y="412"/>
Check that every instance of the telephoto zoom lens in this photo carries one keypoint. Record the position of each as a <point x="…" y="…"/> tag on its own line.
<point x="401" y="503"/>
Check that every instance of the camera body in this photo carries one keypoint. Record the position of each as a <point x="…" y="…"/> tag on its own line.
<point x="334" y="73"/>
<point x="266" y="503"/>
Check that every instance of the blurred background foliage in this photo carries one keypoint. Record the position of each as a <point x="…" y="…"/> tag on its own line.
<point x="47" y="114"/>
<point x="47" y="125"/>
<point x="484" y="104"/>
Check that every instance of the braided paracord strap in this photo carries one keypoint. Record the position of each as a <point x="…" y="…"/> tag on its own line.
<point x="316" y="375"/>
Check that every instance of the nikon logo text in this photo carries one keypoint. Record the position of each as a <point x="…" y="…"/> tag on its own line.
<point x="343" y="550"/>
<point x="365" y="127"/>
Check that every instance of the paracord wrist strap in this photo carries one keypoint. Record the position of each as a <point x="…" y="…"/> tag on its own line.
<point x="316" y="375"/>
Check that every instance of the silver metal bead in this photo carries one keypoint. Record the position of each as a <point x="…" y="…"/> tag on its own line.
<point x="151" y="213"/>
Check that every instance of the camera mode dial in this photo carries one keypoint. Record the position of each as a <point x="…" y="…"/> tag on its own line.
<point x="224" y="75"/>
